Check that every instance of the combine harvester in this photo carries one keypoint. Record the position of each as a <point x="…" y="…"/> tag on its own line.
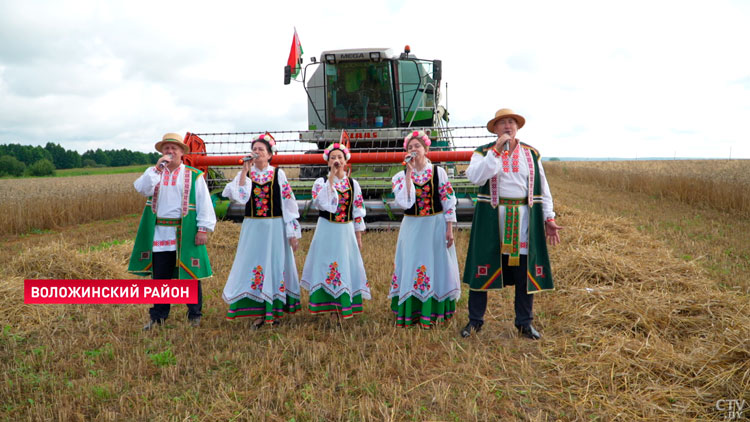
<point x="377" y="97"/>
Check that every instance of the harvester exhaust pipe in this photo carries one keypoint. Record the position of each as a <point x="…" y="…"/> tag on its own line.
<point x="287" y="74"/>
<point x="437" y="71"/>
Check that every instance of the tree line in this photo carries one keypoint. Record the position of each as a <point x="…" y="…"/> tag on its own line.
<point x="19" y="160"/>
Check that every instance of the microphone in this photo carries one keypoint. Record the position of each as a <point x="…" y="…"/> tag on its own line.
<point x="164" y="163"/>
<point x="250" y="157"/>
<point x="506" y="145"/>
<point x="409" y="157"/>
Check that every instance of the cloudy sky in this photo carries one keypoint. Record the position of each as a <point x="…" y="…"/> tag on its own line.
<point x="593" y="78"/>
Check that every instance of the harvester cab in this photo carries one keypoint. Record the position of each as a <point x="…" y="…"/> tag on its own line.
<point x="374" y="94"/>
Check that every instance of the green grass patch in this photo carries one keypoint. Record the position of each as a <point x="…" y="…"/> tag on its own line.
<point x="164" y="358"/>
<point x="102" y="246"/>
<point x="87" y="171"/>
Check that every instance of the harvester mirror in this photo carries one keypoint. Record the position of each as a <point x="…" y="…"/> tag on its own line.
<point x="287" y="74"/>
<point x="437" y="70"/>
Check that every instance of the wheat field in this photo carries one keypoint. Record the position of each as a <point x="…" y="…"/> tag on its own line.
<point x="37" y="204"/>
<point x="721" y="184"/>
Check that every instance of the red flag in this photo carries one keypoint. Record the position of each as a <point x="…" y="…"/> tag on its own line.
<point x="295" y="55"/>
<point x="344" y="139"/>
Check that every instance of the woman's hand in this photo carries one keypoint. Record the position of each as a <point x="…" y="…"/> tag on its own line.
<point x="448" y="234"/>
<point x="294" y="243"/>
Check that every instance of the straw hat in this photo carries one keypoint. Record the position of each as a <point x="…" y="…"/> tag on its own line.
<point x="505" y="112"/>
<point x="173" y="138"/>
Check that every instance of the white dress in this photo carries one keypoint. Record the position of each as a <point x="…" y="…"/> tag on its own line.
<point x="334" y="272"/>
<point x="424" y="268"/>
<point x="263" y="282"/>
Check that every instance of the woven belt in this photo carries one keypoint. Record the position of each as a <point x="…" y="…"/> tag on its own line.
<point x="172" y="222"/>
<point x="508" y="202"/>
<point x="512" y="229"/>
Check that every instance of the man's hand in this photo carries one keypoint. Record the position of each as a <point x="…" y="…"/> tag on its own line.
<point x="201" y="238"/>
<point x="501" y="140"/>
<point x="163" y="161"/>
<point x="552" y="230"/>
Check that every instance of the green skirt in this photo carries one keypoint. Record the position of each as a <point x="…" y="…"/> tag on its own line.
<point x="321" y="301"/>
<point x="413" y="311"/>
<point x="248" y="308"/>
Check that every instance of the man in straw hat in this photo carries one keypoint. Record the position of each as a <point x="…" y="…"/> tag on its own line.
<point x="512" y="217"/>
<point x="172" y="235"/>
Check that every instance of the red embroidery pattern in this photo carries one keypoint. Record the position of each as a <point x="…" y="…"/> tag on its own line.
<point x="316" y="190"/>
<point x="334" y="277"/>
<point x="530" y="162"/>
<point x="421" y="177"/>
<point x="422" y="281"/>
<point x="445" y="190"/>
<point x="341" y="211"/>
<point x="286" y="191"/>
<point x="166" y="175"/>
<point x="257" y="278"/>
<point x="342" y="185"/>
<point x="494" y="195"/>
<point x="185" y="192"/>
<point x="155" y="198"/>
<point x="261" y="194"/>
<point x="398" y="183"/>
<point x="261" y="177"/>
<point x="424" y="199"/>
<point x="165" y="242"/>
<point x="394" y="282"/>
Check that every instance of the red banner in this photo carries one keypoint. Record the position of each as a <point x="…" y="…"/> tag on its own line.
<point x="110" y="291"/>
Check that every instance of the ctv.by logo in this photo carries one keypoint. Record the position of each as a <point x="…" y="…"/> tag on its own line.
<point x="734" y="408"/>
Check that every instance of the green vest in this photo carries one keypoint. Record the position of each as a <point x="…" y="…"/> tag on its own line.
<point x="192" y="260"/>
<point x="483" y="269"/>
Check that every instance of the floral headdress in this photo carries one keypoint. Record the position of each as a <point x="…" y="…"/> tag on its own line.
<point x="267" y="138"/>
<point x="417" y="134"/>
<point x="339" y="146"/>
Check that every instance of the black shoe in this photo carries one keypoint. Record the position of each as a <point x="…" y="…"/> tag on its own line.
<point x="257" y="324"/>
<point x="466" y="331"/>
<point x="153" y="323"/>
<point x="529" y="331"/>
<point x="195" y="322"/>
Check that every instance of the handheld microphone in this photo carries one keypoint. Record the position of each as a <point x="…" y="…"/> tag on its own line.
<point x="164" y="163"/>
<point x="506" y="146"/>
<point x="409" y="157"/>
<point x="250" y="157"/>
